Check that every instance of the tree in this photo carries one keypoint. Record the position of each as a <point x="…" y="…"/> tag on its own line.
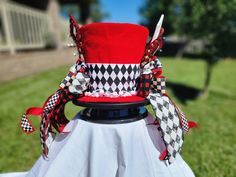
<point x="212" y="21"/>
<point x="96" y="13"/>
<point x="152" y="10"/>
<point x="83" y="10"/>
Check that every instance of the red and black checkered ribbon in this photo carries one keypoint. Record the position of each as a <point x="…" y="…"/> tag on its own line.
<point x="52" y="112"/>
<point x="145" y="84"/>
<point x="52" y="115"/>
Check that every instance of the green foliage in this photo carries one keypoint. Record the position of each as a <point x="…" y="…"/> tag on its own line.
<point x="70" y="9"/>
<point x="213" y="21"/>
<point x="151" y="12"/>
<point x="209" y="150"/>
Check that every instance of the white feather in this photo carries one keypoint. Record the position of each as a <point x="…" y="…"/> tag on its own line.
<point x="158" y="28"/>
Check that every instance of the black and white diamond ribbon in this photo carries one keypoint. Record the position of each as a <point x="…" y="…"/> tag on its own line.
<point x="72" y="75"/>
<point x="79" y="84"/>
<point x="169" y="121"/>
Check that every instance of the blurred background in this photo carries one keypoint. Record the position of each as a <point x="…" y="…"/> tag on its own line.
<point x="198" y="56"/>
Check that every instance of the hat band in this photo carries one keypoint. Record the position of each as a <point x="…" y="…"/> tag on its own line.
<point x="113" y="80"/>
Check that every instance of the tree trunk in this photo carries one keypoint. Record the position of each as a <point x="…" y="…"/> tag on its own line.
<point x="205" y="90"/>
<point x="84" y="12"/>
<point x="180" y="52"/>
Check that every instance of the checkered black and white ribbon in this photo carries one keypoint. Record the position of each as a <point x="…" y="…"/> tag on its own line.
<point x="170" y="125"/>
<point x="113" y="78"/>
<point x="149" y="78"/>
<point x="26" y="124"/>
<point x="158" y="84"/>
<point x="183" y="120"/>
<point x="45" y="122"/>
<point x="52" y="114"/>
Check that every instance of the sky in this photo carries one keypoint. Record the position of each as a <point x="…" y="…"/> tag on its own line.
<point x="122" y="10"/>
<point x="126" y="11"/>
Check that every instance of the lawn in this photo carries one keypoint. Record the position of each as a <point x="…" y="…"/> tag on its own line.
<point x="209" y="150"/>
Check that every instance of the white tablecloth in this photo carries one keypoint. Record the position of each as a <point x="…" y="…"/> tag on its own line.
<point x="107" y="150"/>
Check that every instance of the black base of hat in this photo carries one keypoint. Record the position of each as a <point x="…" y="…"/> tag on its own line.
<point x="117" y="116"/>
<point x="103" y="105"/>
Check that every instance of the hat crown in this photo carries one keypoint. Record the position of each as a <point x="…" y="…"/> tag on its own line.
<point x="113" y="42"/>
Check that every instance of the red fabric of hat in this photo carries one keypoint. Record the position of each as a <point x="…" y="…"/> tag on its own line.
<point x="113" y="42"/>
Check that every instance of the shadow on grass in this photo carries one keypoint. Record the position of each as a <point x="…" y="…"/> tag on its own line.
<point x="183" y="92"/>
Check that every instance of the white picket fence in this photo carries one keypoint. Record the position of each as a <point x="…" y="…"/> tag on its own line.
<point x="23" y="27"/>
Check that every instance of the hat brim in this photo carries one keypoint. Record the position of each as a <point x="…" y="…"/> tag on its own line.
<point x="111" y="103"/>
<point x="111" y="99"/>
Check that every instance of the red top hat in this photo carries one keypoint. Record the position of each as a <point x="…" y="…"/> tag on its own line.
<point x="107" y="71"/>
<point x="112" y="53"/>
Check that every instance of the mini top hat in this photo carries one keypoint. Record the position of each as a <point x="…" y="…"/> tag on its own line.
<point x="114" y="66"/>
<point x="112" y="53"/>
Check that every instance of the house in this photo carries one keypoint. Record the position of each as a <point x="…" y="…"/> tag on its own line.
<point x="26" y="25"/>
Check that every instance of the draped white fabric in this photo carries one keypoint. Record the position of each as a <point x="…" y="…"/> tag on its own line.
<point x="107" y="150"/>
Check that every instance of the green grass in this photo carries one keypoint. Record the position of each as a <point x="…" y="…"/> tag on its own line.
<point x="209" y="150"/>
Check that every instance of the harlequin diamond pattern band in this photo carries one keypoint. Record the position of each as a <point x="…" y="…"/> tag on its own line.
<point x="113" y="77"/>
<point x="169" y="122"/>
